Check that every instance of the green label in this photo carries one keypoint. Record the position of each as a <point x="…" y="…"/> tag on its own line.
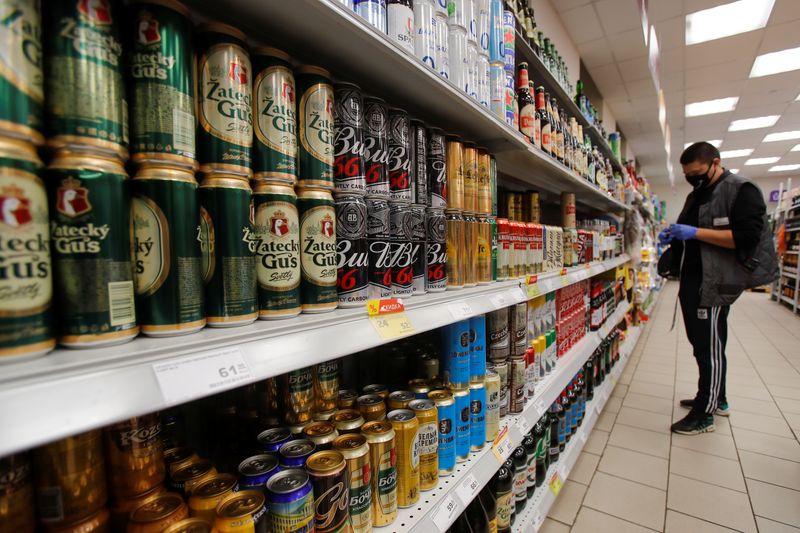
<point x="316" y="133"/>
<point x="276" y="126"/>
<point x="21" y="79"/>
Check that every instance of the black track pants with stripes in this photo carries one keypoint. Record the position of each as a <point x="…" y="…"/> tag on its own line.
<point x="707" y="329"/>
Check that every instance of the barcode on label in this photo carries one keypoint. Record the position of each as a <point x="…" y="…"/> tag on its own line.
<point x="182" y="130"/>
<point x="121" y="307"/>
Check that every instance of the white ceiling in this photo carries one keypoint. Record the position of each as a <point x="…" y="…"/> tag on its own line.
<point x="608" y="34"/>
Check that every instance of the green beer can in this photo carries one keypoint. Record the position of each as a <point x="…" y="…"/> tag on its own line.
<point x="224" y="111"/>
<point x="26" y="288"/>
<point x="166" y="242"/>
<point x="161" y="66"/>
<point x="89" y="203"/>
<point x="85" y="102"/>
<point x="21" y="82"/>
<point x="276" y="230"/>
<point x="316" y="127"/>
<point x="317" y="250"/>
<point x="275" y="151"/>
<point x="229" y="263"/>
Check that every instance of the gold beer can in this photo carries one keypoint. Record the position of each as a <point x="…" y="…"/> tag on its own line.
<point x="484" y="253"/>
<point x="532" y="206"/>
<point x="427" y="415"/>
<point x="70" y="478"/>
<point x="16" y="495"/>
<point x="326" y="386"/>
<point x="185" y="479"/>
<point x="377" y="388"/>
<point x="175" y="458"/>
<point x="348" y="421"/>
<point x="383" y="461"/>
<point x="135" y="455"/>
<point x="484" y="182"/>
<point x="191" y="525"/>
<point x="329" y="480"/>
<point x="347" y="399"/>
<point x="406" y="431"/>
<point x="122" y="507"/>
<point x="470" y="177"/>
<point x="356" y="452"/>
<point x="568" y="210"/>
<point x="207" y="495"/>
<point x="400" y="399"/>
<point x="322" y="434"/>
<point x="296" y="394"/>
<point x="372" y="407"/>
<point x="158" y="513"/>
<point x="455" y="173"/>
<point x="242" y="512"/>
<point x="471" y="250"/>
<point x="456" y="239"/>
<point x="100" y="522"/>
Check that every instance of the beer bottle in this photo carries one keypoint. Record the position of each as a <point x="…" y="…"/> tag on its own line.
<point x="544" y="120"/>
<point x="562" y="421"/>
<point x="529" y="443"/>
<point x="581" y="386"/>
<point x="503" y="486"/>
<point x="478" y="520"/>
<point x="520" y="478"/>
<point x="589" y="369"/>
<point x="558" y="131"/>
<point x="574" y="411"/>
<point x="461" y="525"/>
<point x="527" y="107"/>
<point x="490" y="506"/>
<point x="537" y="121"/>
<point x="567" y="140"/>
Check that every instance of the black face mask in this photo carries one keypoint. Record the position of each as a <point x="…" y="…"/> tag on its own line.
<point x="699" y="180"/>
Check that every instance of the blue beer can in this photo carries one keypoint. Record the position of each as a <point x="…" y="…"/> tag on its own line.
<point x="497" y="40"/>
<point x="509" y="56"/>
<point x="446" y="414"/>
<point x="255" y="471"/>
<point x="455" y="352"/>
<point x="477" y="408"/>
<point x="477" y="348"/>
<point x="463" y="420"/>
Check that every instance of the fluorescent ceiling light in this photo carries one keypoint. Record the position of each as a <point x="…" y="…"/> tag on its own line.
<point x="730" y="154"/>
<point x="783" y="168"/>
<point x="762" y="161"/>
<point x="753" y="123"/>
<point x="709" y="107"/>
<point x="776" y="62"/>
<point x="726" y="20"/>
<point x="782" y="136"/>
<point x="733" y="170"/>
<point x="714" y="142"/>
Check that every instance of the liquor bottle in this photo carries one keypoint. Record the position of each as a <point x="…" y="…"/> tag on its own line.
<point x="537" y="121"/>
<point x="589" y="368"/>
<point x="489" y="506"/>
<point x="527" y="105"/>
<point x="547" y="59"/>
<point x="477" y="517"/>
<point x="520" y="478"/>
<point x="556" y="415"/>
<point x="504" y="496"/>
<point x="539" y="435"/>
<point x="529" y="443"/>
<point x="544" y="120"/>
<point x="462" y="525"/>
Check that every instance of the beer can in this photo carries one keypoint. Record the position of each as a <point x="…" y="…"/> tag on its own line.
<point x="435" y="250"/>
<point x="275" y="125"/>
<point x="420" y="388"/>
<point x="70" y="478"/>
<point x="437" y="169"/>
<point x="377" y="389"/>
<point x="371" y="407"/>
<point x="401" y="248"/>
<point x="568" y="210"/>
<point x="347" y="399"/>
<point x="245" y="510"/>
<point x="294" y="453"/>
<point x="462" y="418"/>
<point x="162" y="84"/>
<point x="21" y="82"/>
<point x="400" y="399"/>
<point x="456" y="354"/>
<point x="516" y="384"/>
<point x="458" y="55"/>
<point x="17" y="512"/>
<point x="484" y="251"/>
<point x="428" y="442"/>
<point x="458" y="13"/>
<point x="512" y="117"/>
<point x="271" y="440"/>
<point x="207" y="494"/>
<point x="455" y="173"/>
<point x="419" y="163"/>
<point x="518" y="328"/>
<point x="477" y="348"/>
<point x="315" y="132"/>
<point x="326" y="386"/>
<point x="497" y="89"/>
<point x="318" y="250"/>
<point x="228" y="260"/>
<point x="296" y="394"/>
<point x="406" y="430"/>
<point x="134" y="455"/>
<point x="494" y="246"/>
<point x="446" y="414"/>
<point x="400" y="23"/>
<point x="376" y="146"/>
<point x="425" y="27"/>
<point x="99" y="522"/>
<point x="484" y="199"/>
<point x="492" y="384"/>
<point x="501" y="369"/>
<point x="498" y="334"/>
<point x="419" y="261"/>
<point x="254" y="473"/>
<point x="484" y="92"/>
<point x="470" y="257"/>
<point x="327" y="471"/>
<point x="398" y="162"/>
<point x="497" y="45"/>
<point x="177" y="457"/>
<point x="509" y="54"/>
<point x="383" y="461"/>
<point x="84" y="81"/>
<point x="440" y="7"/>
<point x="184" y="479"/>
<point x="472" y="72"/>
<point x="379" y="247"/>
<point x="348" y="421"/>
<point x="348" y="146"/>
<point x="25" y="312"/>
<point x="471" y="177"/>
<point x="291" y="501"/>
<point x="477" y="408"/>
<point x="158" y="513"/>
<point x="356" y="452"/>
<point x="441" y="42"/>
<point x="169" y="284"/>
<point x="472" y="18"/>
<point x="276" y="230"/>
<point x="352" y="250"/>
<point x="456" y="245"/>
<point x="373" y="11"/>
<point x="192" y="525"/>
<point x="224" y="109"/>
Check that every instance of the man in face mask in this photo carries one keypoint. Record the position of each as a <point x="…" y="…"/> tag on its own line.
<point x="723" y="245"/>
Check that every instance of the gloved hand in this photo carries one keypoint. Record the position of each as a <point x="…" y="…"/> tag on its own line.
<point x="664" y="237"/>
<point x="682" y="232"/>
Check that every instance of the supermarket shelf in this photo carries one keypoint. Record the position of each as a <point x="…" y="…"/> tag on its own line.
<point x="789" y="274"/>
<point x="786" y="299"/>
<point x="69" y="391"/>
<point x="355" y="51"/>
<point x="438" y="509"/>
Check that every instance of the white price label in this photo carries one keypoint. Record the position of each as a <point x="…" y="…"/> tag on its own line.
<point x="468" y="489"/>
<point x="518" y="294"/>
<point x="524" y="425"/>
<point x="201" y="374"/>
<point x="499" y="301"/>
<point x="445" y="514"/>
<point x="540" y="407"/>
<point x="460" y="310"/>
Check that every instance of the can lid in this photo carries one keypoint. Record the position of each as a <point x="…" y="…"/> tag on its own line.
<point x="219" y="27"/>
<point x="241" y="504"/>
<point x="441" y="397"/>
<point x="312" y="69"/>
<point x="287" y="481"/>
<point x="375" y="388"/>
<point x="421" y="405"/>
<point x="453" y="138"/>
<point x="348" y="394"/>
<point x="157" y="508"/>
<point x="271" y="52"/>
<point x="345" y="415"/>
<point x="349" y="441"/>
<point x="225" y="181"/>
<point x="257" y="464"/>
<point x="219" y="484"/>
<point x="176" y="455"/>
<point x="476" y="385"/>
<point x="470" y="144"/>
<point x="274" y="435"/>
<point x="402" y="395"/>
<point x="69" y="158"/>
<point x="374" y="99"/>
<point x="326" y="461"/>
<point x="192" y="471"/>
<point x="378" y="431"/>
<point x="401" y="415"/>
<point x="319" y="429"/>
<point x="457" y="393"/>
<point x="297" y="448"/>
<point x="171" y="4"/>
<point x="190" y="525"/>
<point x="369" y="399"/>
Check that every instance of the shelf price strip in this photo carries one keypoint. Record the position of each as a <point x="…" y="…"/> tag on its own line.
<point x="389" y="319"/>
<point x="445" y="514"/>
<point x="201" y="374"/>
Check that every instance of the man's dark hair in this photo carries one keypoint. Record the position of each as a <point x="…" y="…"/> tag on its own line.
<point x="701" y="152"/>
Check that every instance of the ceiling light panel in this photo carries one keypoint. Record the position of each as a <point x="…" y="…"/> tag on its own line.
<point x="726" y="20"/>
<point x="784" y="168"/>
<point x="762" y="161"/>
<point x="733" y="170"/>
<point x="776" y="62"/>
<point x="782" y="136"/>
<point x="753" y="123"/>
<point x="730" y="154"/>
<point x="709" y="107"/>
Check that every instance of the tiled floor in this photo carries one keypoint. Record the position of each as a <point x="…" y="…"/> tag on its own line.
<point x="634" y="475"/>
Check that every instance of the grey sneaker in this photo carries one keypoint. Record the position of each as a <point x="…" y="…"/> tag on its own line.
<point x="722" y="409"/>
<point x="693" y="424"/>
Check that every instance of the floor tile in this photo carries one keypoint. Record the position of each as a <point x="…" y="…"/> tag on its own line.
<point x="756" y="392"/>
<point x="776" y="503"/>
<point x="740" y="404"/>
<point x="652" y="389"/>
<point x="628" y="500"/>
<point x="551" y="526"/>
<point x="596" y="442"/>
<point x="591" y="521"/>
<point x="754" y="441"/>
<point x="710" y="443"/>
<point x="715" y="504"/>
<point x="766" y="525"/>
<point x="707" y="468"/>
<point x="644" y="419"/>
<point x="640" y="440"/>
<point x="655" y="378"/>
<point x="613" y="404"/>
<point x="569" y="500"/>
<point x="770" y="469"/>
<point x="761" y="424"/>
<point x="620" y="390"/>
<point x="788" y="405"/>
<point x="681" y="523"/>
<point x="635" y="466"/>
<point x="584" y="468"/>
<point x="648" y="403"/>
<point x="605" y="421"/>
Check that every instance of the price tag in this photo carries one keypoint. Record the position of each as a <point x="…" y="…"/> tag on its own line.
<point x="499" y="301"/>
<point x="524" y="425"/>
<point x="533" y="291"/>
<point x="540" y="407"/>
<point x="502" y="446"/>
<point x="393" y="326"/>
<point x="468" y="489"/>
<point x="517" y="294"/>
<point x="460" y="310"/>
<point x="555" y="483"/>
<point x="445" y="514"/>
<point x="564" y="280"/>
<point x="382" y="307"/>
<point x="201" y="374"/>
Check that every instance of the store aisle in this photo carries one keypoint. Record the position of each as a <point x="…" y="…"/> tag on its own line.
<point x="635" y="476"/>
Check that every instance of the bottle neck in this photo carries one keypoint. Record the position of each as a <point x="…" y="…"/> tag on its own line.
<point x="522" y="79"/>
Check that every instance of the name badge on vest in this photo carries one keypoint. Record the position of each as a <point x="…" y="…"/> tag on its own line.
<point x="720" y="221"/>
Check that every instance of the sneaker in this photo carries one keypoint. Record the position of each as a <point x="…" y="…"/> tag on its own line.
<point x="693" y="424"/>
<point x="722" y="409"/>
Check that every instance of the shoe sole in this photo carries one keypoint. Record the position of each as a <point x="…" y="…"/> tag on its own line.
<point x="709" y="429"/>
<point x="718" y="412"/>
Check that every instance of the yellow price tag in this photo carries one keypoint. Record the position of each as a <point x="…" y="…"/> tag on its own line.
<point x="502" y="447"/>
<point x="533" y="291"/>
<point x="393" y="326"/>
<point x="556" y="484"/>
<point x="564" y="281"/>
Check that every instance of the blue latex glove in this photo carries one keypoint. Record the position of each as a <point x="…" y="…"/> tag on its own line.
<point x="682" y="232"/>
<point x="664" y="237"/>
